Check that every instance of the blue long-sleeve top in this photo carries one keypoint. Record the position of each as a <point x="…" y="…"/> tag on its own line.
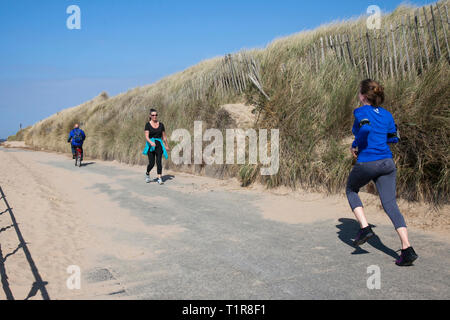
<point x="72" y="137"/>
<point x="374" y="128"/>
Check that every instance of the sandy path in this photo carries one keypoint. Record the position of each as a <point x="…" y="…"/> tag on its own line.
<point x="130" y="239"/>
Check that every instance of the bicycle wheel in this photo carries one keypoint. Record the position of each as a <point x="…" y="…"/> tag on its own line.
<point x="78" y="158"/>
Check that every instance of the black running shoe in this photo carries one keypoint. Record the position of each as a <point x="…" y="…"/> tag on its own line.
<point x="407" y="258"/>
<point x="363" y="235"/>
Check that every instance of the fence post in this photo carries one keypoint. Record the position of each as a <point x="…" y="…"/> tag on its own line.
<point x="364" y="55"/>
<point x="370" y="57"/>
<point x="446" y="13"/>
<point x="329" y="43"/>
<point x="341" y="50"/>
<point x="337" y="46"/>
<point x="419" y="46"/>
<point x="395" y="50"/>
<point x="445" y="31"/>
<point x="435" y="33"/>
<point x="430" y="34"/>
<point x="384" y="63"/>
<point x="316" y="62"/>
<point x="375" y="54"/>
<point x="323" y="52"/>
<point x="424" y="39"/>
<point x="349" y="50"/>
<point x="410" y="43"/>
<point x="391" y="69"/>
<point x="405" y="46"/>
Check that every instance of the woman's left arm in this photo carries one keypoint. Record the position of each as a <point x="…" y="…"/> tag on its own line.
<point x="393" y="135"/>
<point x="165" y="141"/>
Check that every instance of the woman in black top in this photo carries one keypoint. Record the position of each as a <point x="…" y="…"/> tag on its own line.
<point x="155" y="129"/>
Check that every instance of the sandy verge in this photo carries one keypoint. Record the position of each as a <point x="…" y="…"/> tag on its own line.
<point x="14" y="144"/>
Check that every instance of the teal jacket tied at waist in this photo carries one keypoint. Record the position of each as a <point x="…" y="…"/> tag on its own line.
<point x="149" y="148"/>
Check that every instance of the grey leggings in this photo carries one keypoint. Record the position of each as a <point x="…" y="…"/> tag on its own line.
<point x="384" y="174"/>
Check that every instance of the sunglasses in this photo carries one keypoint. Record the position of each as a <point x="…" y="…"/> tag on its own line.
<point x="154" y="115"/>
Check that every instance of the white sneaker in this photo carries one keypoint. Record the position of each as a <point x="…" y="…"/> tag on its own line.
<point x="160" y="181"/>
<point x="147" y="179"/>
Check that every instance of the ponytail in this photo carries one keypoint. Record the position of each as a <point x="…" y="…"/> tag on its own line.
<point x="373" y="91"/>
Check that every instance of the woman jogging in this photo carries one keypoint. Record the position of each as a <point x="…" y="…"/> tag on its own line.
<point x="374" y="129"/>
<point x="155" y="133"/>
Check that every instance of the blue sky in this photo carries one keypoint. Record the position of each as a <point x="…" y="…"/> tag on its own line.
<point x="122" y="44"/>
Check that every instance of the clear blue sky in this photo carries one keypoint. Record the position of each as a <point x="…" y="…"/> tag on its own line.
<point x="122" y="44"/>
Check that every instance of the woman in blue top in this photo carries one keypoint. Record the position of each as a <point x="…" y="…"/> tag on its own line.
<point x="374" y="129"/>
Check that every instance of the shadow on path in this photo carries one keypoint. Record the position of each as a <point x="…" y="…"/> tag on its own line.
<point x="6" y="228"/>
<point x="4" y="277"/>
<point x="167" y="178"/>
<point x="347" y="232"/>
<point x="87" y="164"/>
<point x="38" y="285"/>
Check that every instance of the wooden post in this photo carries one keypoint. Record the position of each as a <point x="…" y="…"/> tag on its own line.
<point x="239" y="74"/>
<point x="220" y="83"/>
<point x="329" y="44"/>
<point x="233" y="74"/>
<point x="370" y="57"/>
<point x="357" y="54"/>
<point x="375" y="54"/>
<point x="336" y="46"/>
<point x="383" y="62"/>
<point x="391" y="68"/>
<point x="413" y="62"/>
<point x="395" y="50"/>
<point x="323" y="52"/>
<point x="445" y="31"/>
<point x="430" y="34"/>
<point x="405" y="45"/>
<point x="226" y="76"/>
<point x="419" y="46"/>
<point x="236" y="75"/>
<point x="349" y="49"/>
<point x="364" y="55"/>
<point x="341" y="46"/>
<point x="307" y="55"/>
<point x="316" y="61"/>
<point x="435" y="32"/>
<point x="446" y="13"/>
<point x="402" y="58"/>
<point x="424" y="40"/>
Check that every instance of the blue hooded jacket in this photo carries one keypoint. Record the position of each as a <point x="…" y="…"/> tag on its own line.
<point x="74" y="134"/>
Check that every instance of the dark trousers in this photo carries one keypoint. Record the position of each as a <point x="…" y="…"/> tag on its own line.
<point x="384" y="174"/>
<point x="157" y="155"/>
<point x="74" y="151"/>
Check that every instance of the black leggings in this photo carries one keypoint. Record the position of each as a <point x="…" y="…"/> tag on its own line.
<point x="383" y="173"/>
<point x="158" y="153"/>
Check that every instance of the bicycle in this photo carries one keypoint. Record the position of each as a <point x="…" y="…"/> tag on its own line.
<point x="78" y="157"/>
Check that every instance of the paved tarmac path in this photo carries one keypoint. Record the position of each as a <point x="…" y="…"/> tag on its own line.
<point x="193" y="238"/>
